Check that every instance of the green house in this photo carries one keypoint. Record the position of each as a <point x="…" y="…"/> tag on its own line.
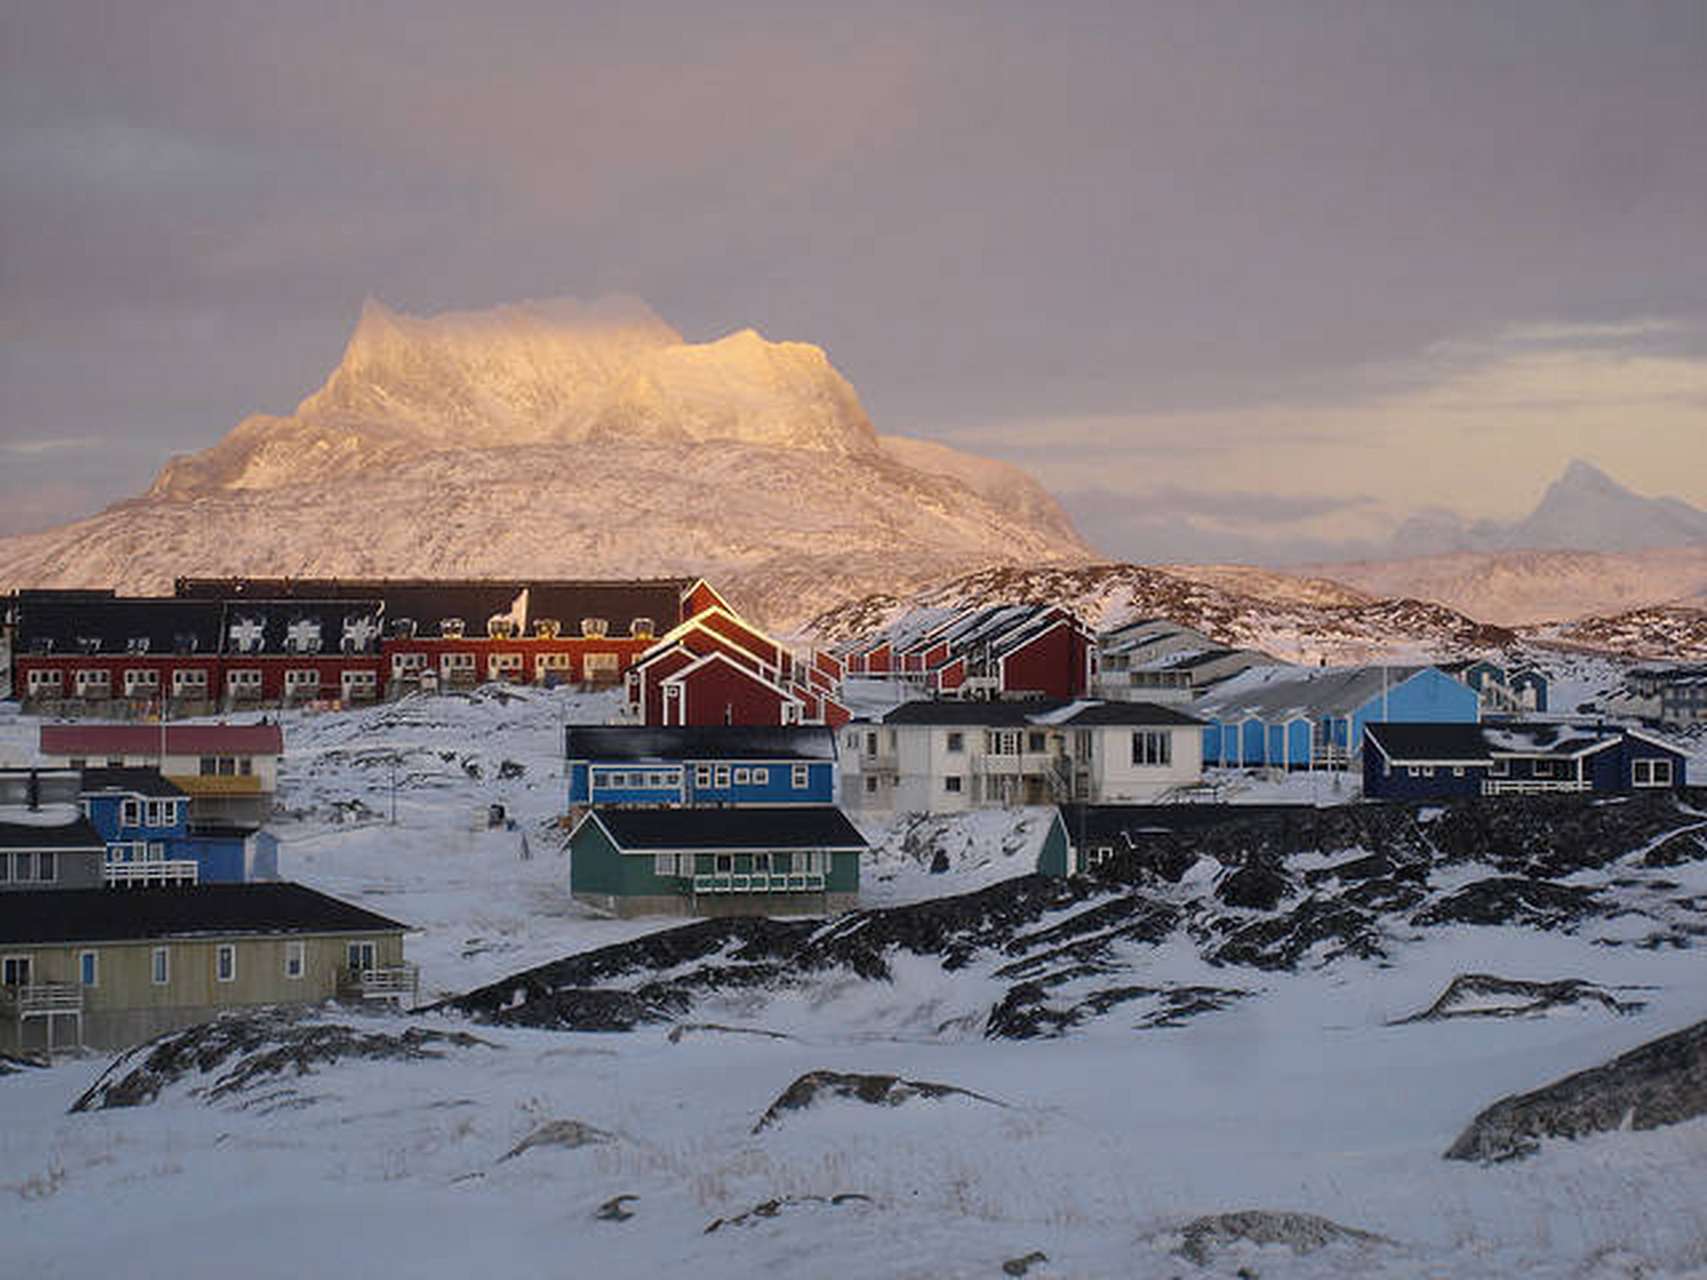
<point x="716" y="862"/>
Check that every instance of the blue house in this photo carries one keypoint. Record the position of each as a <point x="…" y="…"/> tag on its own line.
<point x="709" y="766"/>
<point x="1434" y="761"/>
<point x="1302" y="718"/>
<point x="144" y="820"/>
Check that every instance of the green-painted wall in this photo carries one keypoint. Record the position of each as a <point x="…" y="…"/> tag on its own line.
<point x="1052" y="858"/>
<point x="596" y="867"/>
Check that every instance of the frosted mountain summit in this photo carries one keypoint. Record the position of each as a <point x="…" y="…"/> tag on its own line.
<point x="569" y="440"/>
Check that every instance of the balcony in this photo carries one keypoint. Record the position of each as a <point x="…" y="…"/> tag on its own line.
<point x="400" y="984"/>
<point x="205" y="784"/>
<point x="159" y="871"/>
<point x="1532" y="786"/>
<point x="760" y="882"/>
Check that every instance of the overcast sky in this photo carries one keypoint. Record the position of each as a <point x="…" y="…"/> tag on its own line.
<point x="1226" y="277"/>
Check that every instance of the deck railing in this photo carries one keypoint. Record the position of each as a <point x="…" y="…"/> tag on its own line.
<point x="400" y="983"/>
<point x="760" y="882"/>
<point x="124" y="875"/>
<point x="1532" y="786"/>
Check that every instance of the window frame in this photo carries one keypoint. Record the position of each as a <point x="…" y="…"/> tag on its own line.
<point x="225" y="962"/>
<point x="160" y="967"/>
<point x="295" y="959"/>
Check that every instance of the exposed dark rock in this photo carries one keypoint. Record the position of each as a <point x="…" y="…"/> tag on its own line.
<point x="771" y="1208"/>
<point x="684" y="1029"/>
<point x="1025" y="1013"/>
<point x="1678" y="848"/>
<point x="1281" y="941"/>
<point x="260" y="1046"/>
<point x="1300" y="1232"/>
<point x="878" y="1090"/>
<point x="1019" y="1266"/>
<point x="1512" y="900"/>
<point x="559" y="1133"/>
<point x="1256" y="887"/>
<point x="1661" y="1083"/>
<point x="1484" y="995"/>
<point x="616" y="1209"/>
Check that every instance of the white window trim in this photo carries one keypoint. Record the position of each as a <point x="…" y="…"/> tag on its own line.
<point x="94" y="959"/>
<point x="160" y="967"/>
<point x="296" y="960"/>
<point x="220" y="953"/>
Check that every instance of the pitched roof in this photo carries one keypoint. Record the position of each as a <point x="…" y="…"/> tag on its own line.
<point x="144" y="739"/>
<point x="1447" y="742"/>
<point x="37" y="830"/>
<point x="713" y="742"/>
<point x="68" y="622"/>
<point x="811" y="827"/>
<point x="137" y="781"/>
<point x="1274" y="693"/>
<point x="1401" y="741"/>
<point x="1094" y="823"/>
<point x="179" y="911"/>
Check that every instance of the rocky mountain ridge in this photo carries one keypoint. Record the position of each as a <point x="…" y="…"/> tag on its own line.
<point x="568" y="440"/>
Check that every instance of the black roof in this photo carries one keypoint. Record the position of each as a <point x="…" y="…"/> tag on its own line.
<point x="143" y="781"/>
<point x="810" y="827"/>
<point x="1039" y="713"/>
<point x="428" y="601"/>
<point x="74" y="833"/>
<point x="1407" y="741"/>
<point x="303" y="625"/>
<point x="1133" y="713"/>
<point x="69" y="623"/>
<point x="713" y="742"/>
<point x="179" y="911"/>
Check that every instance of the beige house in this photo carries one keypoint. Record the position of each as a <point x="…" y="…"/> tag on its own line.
<point x="111" y="968"/>
<point x="229" y="771"/>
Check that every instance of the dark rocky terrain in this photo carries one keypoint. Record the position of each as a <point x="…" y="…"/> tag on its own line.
<point x="1277" y="891"/>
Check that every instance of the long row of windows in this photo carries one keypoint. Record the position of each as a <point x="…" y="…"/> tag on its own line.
<point x="15" y="970"/>
<point x="704" y="776"/>
<point x="802" y="862"/>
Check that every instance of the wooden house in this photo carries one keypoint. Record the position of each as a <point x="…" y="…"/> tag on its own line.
<point x="713" y="862"/>
<point x="700" y="767"/>
<point x="111" y="969"/>
<point x="228" y="771"/>
<point x="1403" y="761"/>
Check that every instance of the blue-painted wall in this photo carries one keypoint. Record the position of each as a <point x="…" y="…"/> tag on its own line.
<point x="1609" y="771"/>
<point x="1428" y="697"/>
<point x="704" y="783"/>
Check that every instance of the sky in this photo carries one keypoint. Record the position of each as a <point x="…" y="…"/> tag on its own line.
<point x="1234" y="280"/>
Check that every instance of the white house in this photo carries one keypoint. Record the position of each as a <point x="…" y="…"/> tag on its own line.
<point x="949" y="756"/>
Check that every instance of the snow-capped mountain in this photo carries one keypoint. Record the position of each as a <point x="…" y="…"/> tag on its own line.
<point x="1583" y="510"/>
<point x="568" y="440"/>
<point x="1523" y="588"/>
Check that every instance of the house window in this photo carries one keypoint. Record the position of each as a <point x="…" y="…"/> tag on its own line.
<point x="743" y="777"/>
<point x="724" y="863"/>
<point x="870" y="785"/>
<point x="162" y="966"/>
<point x="1652" y="773"/>
<point x="722" y="775"/>
<point x="957" y="741"/>
<point x="1153" y="747"/>
<point x="951" y="783"/>
<point x="130" y="813"/>
<point x="15" y="971"/>
<point x="1035" y="742"/>
<point x="156" y="814"/>
<point x="761" y="862"/>
<point x="47" y="867"/>
<point x="702" y="775"/>
<point x="5" y="869"/>
<point x="225" y="962"/>
<point x="802" y="777"/>
<point x="1004" y="742"/>
<point x="761" y="777"/>
<point x="296" y="959"/>
<point x="669" y="864"/>
<point x="1499" y="767"/>
<point x="89" y="968"/>
<point x="360" y="956"/>
<point x="871" y="744"/>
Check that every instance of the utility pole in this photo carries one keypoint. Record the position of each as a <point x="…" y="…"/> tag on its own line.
<point x="393" y="789"/>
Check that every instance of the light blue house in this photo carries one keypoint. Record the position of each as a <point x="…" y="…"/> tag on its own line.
<point x="1302" y="718"/>
<point x="144" y="820"/>
<point x="710" y="766"/>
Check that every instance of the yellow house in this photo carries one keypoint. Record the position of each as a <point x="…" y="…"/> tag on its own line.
<point x="110" y="968"/>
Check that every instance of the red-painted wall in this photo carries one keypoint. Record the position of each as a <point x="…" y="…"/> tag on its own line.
<point x="719" y="693"/>
<point x="1052" y="664"/>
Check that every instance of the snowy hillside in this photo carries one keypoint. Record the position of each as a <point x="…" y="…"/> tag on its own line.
<point x="1298" y="620"/>
<point x="557" y="440"/>
<point x="1036" y="1078"/>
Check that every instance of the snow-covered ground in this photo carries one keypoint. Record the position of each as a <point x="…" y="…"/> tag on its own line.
<point x="1093" y="1149"/>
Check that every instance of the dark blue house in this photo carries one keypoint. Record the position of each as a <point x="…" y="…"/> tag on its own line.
<point x="684" y="766"/>
<point x="144" y="820"/>
<point x="1405" y="761"/>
